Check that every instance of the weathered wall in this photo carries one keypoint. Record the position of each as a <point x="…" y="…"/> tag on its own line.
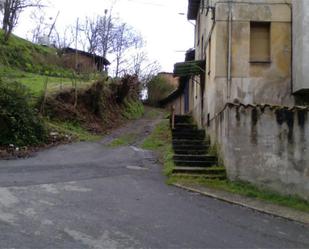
<point x="85" y="64"/>
<point x="178" y="104"/>
<point x="301" y="46"/>
<point x="251" y="83"/>
<point x="267" y="146"/>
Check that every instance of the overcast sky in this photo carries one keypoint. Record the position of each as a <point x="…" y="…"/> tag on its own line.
<point x="167" y="33"/>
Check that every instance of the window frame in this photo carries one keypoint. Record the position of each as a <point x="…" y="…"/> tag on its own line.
<point x="262" y="61"/>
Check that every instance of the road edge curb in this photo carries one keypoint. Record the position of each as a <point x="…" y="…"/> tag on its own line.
<point x="295" y="218"/>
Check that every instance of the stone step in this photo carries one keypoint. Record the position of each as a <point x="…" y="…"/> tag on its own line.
<point x="190" y="152"/>
<point x="191" y="163"/>
<point x="185" y="127"/>
<point x="190" y="135"/>
<point x="193" y="132"/>
<point x="183" y="119"/>
<point x="188" y="142"/>
<point x="200" y="170"/>
<point x="205" y="176"/>
<point x="198" y="147"/>
<point x="200" y="158"/>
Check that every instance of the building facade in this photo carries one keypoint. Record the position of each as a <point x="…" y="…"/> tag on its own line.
<point x="247" y="95"/>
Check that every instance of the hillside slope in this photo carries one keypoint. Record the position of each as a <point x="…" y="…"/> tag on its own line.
<point x="21" y="54"/>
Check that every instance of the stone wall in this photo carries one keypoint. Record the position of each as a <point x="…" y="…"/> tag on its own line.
<point x="265" y="145"/>
<point x="301" y="46"/>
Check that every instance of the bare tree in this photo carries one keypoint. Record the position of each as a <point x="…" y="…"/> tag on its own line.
<point x="125" y="39"/>
<point x="91" y="33"/>
<point x="11" y="10"/>
<point x="40" y="26"/>
<point x="106" y="33"/>
<point x="64" y="39"/>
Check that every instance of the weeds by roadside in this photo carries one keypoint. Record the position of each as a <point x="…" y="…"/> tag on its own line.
<point x="74" y="130"/>
<point x="245" y="189"/>
<point x="161" y="142"/>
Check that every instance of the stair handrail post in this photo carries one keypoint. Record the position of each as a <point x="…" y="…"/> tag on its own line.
<point x="173" y="116"/>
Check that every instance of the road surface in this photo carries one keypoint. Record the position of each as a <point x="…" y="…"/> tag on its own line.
<point x="88" y="195"/>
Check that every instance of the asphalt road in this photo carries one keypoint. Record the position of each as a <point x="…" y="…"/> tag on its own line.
<point x="87" y="195"/>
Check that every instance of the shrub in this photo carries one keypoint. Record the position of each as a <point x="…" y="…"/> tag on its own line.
<point x="158" y="89"/>
<point x="134" y="109"/>
<point x="19" y="123"/>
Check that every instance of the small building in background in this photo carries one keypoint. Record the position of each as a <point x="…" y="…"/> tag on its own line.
<point x="83" y="62"/>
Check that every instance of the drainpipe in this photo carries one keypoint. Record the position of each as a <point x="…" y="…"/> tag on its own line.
<point x="229" y="56"/>
<point x="229" y="63"/>
<point x="292" y="49"/>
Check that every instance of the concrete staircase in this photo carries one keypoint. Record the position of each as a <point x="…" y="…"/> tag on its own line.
<point x="191" y="151"/>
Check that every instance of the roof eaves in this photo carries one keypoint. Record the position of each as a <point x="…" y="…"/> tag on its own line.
<point x="193" y="8"/>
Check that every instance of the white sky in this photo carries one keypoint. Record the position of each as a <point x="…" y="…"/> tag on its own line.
<point x="165" y="31"/>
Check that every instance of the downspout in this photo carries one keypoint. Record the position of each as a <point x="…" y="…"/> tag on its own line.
<point x="229" y="53"/>
<point x="292" y="50"/>
<point x="229" y="64"/>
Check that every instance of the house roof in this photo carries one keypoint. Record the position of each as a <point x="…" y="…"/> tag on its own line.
<point x="193" y="7"/>
<point x="189" y="68"/>
<point x="97" y="58"/>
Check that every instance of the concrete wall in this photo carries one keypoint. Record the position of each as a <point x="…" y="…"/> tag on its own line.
<point x="265" y="139"/>
<point x="251" y="83"/>
<point x="178" y="104"/>
<point x="266" y="146"/>
<point x="301" y="46"/>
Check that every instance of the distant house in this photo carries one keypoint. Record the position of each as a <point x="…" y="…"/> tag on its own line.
<point x="83" y="61"/>
<point x="177" y="99"/>
<point x="180" y="99"/>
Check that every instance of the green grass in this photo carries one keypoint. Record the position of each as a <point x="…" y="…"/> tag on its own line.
<point x="161" y="141"/>
<point x="133" y="109"/>
<point x="246" y="189"/>
<point x="22" y="54"/>
<point x="74" y="130"/>
<point x="123" y="140"/>
<point x="152" y="113"/>
<point x="36" y="82"/>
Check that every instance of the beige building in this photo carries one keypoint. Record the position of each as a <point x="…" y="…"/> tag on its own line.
<point x="82" y="61"/>
<point x="247" y="93"/>
<point x="247" y="48"/>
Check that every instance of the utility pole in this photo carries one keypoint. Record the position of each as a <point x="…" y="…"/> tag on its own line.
<point x="76" y="37"/>
<point x="53" y="25"/>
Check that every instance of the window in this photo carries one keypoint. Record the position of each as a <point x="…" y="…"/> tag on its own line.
<point x="260" y="42"/>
